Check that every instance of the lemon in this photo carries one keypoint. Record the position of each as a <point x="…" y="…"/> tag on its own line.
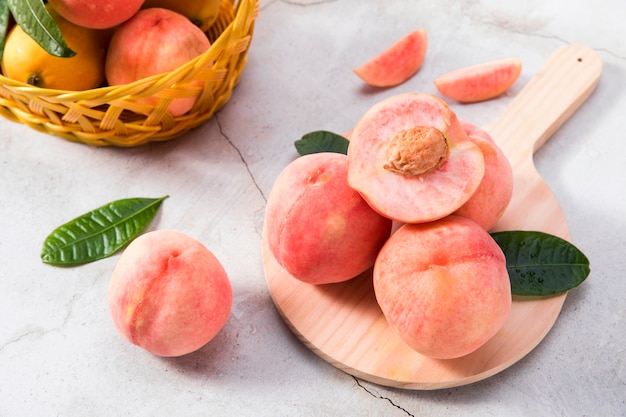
<point x="24" y="60"/>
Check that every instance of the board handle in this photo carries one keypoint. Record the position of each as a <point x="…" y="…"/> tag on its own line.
<point x="566" y="80"/>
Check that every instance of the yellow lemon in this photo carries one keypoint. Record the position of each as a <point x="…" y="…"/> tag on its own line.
<point x="24" y="60"/>
<point x="203" y="13"/>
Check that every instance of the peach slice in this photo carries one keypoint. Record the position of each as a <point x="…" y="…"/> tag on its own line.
<point x="397" y="63"/>
<point x="411" y="160"/>
<point x="443" y="286"/>
<point x="493" y="195"/>
<point x="480" y="82"/>
<point x="318" y="228"/>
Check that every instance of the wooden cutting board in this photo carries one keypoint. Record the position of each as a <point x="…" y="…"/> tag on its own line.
<point x="343" y="324"/>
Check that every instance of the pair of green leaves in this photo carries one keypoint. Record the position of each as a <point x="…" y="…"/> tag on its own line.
<point x="33" y="17"/>
<point x="539" y="264"/>
<point x="100" y="232"/>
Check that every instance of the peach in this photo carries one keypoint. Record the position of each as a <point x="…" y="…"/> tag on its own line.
<point x="155" y="41"/>
<point x="96" y="14"/>
<point x="411" y="160"/>
<point x="443" y="286"/>
<point x="397" y="63"/>
<point x="493" y="195"/>
<point x="318" y="228"/>
<point x="169" y="294"/>
<point x="479" y="82"/>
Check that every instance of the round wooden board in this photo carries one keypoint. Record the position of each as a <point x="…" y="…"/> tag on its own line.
<point x="343" y="324"/>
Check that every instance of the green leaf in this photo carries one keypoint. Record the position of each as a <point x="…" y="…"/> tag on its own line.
<point x="34" y="19"/>
<point x="321" y="141"/>
<point x="100" y="232"/>
<point x="5" y="14"/>
<point x="540" y="264"/>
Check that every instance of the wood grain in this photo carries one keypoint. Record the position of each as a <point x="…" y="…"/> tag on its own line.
<point x="343" y="324"/>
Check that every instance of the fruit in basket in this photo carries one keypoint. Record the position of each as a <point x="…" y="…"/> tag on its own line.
<point x="96" y="14"/>
<point x="411" y="160"/>
<point x="318" y="228"/>
<point x="24" y="60"/>
<point x="169" y="294"/>
<point x="397" y="63"/>
<point x="203" y="13"/>
<point x="479" y="82"/>
<point x="494" y="193"/>
<point x="443" y="286"/>
<point x="156" y="41"/>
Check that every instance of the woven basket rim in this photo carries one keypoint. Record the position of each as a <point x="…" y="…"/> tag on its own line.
<point x="77" y="95"/>
<point x="118" y="115"/>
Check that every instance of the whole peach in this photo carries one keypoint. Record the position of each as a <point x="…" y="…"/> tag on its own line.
<point x="96" y="14"/>
<point x="318" y="228"/>
<point x="443" y="286"/>
<point x="155" y="41"/>
<point x="169" y="294"/>
<point x="494" y="193"/>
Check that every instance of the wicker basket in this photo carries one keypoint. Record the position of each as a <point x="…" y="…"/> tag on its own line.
<point x="112" y="116"/>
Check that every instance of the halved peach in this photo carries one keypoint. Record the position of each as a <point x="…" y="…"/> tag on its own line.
<point x="411" y="160"/>
<point x="480" y="82"/>
<point x="397" y="63"/>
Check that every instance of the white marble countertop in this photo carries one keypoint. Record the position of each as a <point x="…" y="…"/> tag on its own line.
<point x="59" y="352"/>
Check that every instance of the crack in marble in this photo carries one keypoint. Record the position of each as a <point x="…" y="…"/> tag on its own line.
<point x="610" y="52"/>
<point x="381" y="397"/>
<point x="40" y="332"/>
<point x="241" y="157"/>
<point x="297" y="3"/>
<point x="505" y="24"/>
<point x="307" y="4"/>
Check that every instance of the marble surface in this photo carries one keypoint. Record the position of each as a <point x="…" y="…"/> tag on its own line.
<point x="59" y="352"/>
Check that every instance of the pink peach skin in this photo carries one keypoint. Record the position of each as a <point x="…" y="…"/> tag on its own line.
<point x="493" y="195"/>
<point x="169" y="294"/>
<point x="319" y="229"/>
<point x="155" y="41"/>
<point x="443" y="286"/>
<point x="97" y="14"/>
